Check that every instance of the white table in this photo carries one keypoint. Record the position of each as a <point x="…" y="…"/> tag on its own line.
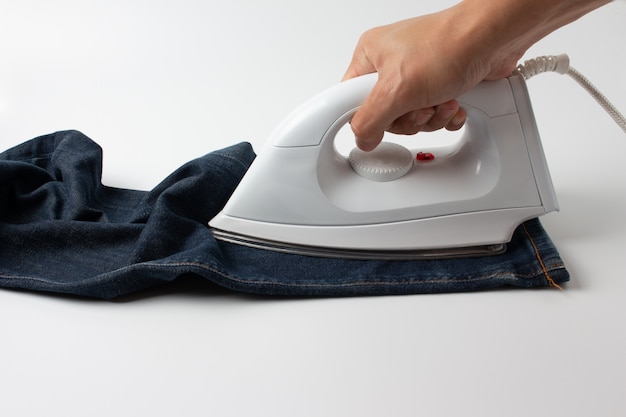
<point x="158" y="83"/>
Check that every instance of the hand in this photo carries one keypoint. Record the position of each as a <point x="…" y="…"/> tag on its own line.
<point x="423" y="64"/>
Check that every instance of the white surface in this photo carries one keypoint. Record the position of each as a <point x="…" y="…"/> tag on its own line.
<point x="158" y="83"/>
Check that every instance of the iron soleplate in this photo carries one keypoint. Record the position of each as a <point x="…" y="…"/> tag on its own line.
<point x="359" y="254"/>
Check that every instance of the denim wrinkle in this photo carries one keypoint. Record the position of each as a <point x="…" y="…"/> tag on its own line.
<point x="63" y="231"/>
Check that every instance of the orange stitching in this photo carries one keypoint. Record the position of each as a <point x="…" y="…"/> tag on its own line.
<point x="538" y="255"/>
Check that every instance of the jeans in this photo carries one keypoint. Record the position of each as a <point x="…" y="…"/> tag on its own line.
<point x="62" y="231"/>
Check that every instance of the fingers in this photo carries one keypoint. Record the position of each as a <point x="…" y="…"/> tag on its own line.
<point x="358" y="67"/>
<point x="409" y="95"/>
<point x="360" y="63"/>
<point x="448" y="115"/>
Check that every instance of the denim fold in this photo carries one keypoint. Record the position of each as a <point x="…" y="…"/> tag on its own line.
<point x="63" y="231"/>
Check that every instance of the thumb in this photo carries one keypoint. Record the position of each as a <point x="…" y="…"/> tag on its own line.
<point x="374" y="116"/>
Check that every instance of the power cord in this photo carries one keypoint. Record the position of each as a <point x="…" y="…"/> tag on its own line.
<point x="560" y="64"/>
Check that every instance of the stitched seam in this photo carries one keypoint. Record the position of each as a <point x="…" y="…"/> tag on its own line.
<point x="364" y="283"/>
<point x="285" y="284"/>
<point x="538" y="256"/>
<point x="382" y="283"/>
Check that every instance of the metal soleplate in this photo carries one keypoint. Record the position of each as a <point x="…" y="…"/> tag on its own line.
<point x="353" y="254"/>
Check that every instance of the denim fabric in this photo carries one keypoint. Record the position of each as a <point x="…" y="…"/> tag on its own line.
<point x="62" y="231"/>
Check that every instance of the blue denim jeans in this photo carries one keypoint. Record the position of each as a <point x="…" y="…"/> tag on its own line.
<point x="62" y="231"/>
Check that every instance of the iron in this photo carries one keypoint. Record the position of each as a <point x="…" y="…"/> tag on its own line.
<point x="301" y="195"/>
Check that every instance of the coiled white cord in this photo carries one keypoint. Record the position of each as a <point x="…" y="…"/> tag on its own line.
<point x="560" y="64"/>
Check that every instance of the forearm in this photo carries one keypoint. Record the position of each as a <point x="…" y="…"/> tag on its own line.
<point x="529" y="20"/>
<point x="425" y="62"/>
<point x="512" y="26"/>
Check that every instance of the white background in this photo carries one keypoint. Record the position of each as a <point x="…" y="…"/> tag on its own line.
<point x="158" y="83"/>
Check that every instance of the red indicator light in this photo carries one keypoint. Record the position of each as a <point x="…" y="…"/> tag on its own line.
<point x="424" y="156"/>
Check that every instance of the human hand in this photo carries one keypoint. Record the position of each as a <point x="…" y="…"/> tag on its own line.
<point x="423" y="64"/>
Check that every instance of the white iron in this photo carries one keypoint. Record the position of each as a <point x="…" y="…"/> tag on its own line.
<point x="302" y="196"/>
